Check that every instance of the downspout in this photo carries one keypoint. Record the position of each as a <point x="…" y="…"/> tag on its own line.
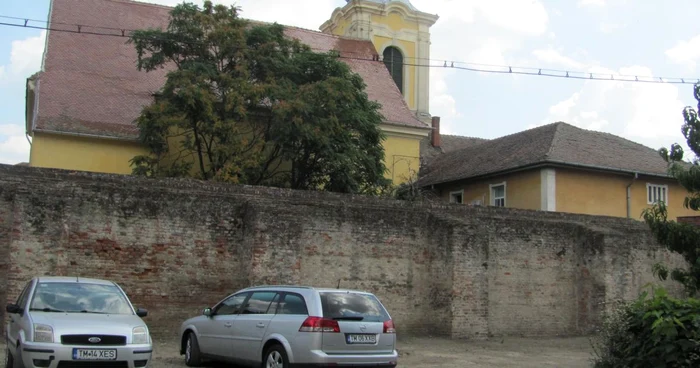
<point x="629" y="195"/>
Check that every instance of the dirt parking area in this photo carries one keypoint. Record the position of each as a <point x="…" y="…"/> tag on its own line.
<point x="439" y="353"/>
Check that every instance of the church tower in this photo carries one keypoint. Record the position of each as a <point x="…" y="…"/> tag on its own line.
<point x="401" y="35"/>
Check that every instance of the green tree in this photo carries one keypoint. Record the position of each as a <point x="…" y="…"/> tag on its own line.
<point x="243" y="103"/>
<point x="679" y="237"/>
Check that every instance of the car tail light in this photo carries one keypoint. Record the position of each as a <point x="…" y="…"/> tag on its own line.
<point x="389" y="327"/>
<point x="318" y="324"/>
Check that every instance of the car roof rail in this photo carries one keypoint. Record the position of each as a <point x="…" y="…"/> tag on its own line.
<point x="279" y="286"/>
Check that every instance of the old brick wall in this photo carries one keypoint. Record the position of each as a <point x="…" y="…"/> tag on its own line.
<point x="693" y="220"/>
<point x="178" y="245"/>
<point x="6" y="218"/>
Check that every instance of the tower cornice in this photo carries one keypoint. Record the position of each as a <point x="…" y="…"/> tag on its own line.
<point x="370" y="7"/>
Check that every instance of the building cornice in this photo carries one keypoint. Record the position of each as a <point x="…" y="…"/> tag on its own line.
<point x="405" y="131"/>
<point x="409" y="14"/>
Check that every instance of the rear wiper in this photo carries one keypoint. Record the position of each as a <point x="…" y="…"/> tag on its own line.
<point x="46" y="310"/>
<point x="348" y="318"/>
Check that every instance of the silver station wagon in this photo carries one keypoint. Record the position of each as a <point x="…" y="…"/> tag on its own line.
<point x="62" y="322"/>
<point x="279" y="326"/>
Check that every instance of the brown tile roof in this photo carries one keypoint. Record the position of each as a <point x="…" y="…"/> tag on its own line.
<point x="557" y="143"/>
<point x="448" y="143"/>
<point x="90" y="84"/>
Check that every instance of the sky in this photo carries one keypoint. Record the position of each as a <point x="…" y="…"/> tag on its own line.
<point x="621" y="37"/>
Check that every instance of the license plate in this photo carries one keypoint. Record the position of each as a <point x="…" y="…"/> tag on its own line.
<point x="94" y="354"/>
<point x="361" y="339"/>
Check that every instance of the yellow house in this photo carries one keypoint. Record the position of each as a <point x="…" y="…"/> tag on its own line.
<point x="556" y="167"/>
<point x="82" y="105"/>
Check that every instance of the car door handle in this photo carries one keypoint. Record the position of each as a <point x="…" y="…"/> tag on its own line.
<point x="261" y="325"/>
<point x="228" y="324"/>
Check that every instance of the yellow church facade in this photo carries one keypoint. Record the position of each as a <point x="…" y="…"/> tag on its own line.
<point x="95" y="141"/>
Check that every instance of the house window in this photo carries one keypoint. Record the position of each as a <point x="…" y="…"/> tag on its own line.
<point x="393" y="59"/>
<point x="498" y="195"/>
<point x="657" y="193"/>
<point x="457" y="197"/>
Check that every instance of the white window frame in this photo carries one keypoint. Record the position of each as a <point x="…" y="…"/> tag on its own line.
<point x="460" y="192"/>
<point x="662" y="188"/>
<point x="493" y="198"/>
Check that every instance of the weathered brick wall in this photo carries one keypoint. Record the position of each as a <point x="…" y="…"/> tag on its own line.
<point x="178" y="245"/>
<point x="693" y="220"/>
<point x="6" y="218"/>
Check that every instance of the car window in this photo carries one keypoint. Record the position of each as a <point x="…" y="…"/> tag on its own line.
<point x="24" y="295"/>
<point x="274" y="305"/>
<point x="76" y="297"/>
<point x="231" y="305"/>
<point x="352" y="306"/>
<point x="293" y="304"/>
<point x="259" y="302"/>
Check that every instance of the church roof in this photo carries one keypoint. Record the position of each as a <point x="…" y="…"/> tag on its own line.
<point x="90" y="84"/>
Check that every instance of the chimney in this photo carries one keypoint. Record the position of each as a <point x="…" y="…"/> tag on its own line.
<point x="435" y="136"/>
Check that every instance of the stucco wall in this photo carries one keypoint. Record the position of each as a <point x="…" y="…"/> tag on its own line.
<point x="84" y="154"/>
<point x="522" y="190"/>
<point x="401" y="154"/>
<point x="596" y="193"/>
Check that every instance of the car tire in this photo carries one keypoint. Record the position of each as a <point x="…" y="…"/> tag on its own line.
<point x="192" y="356"/>
<point x="275" y="357"/>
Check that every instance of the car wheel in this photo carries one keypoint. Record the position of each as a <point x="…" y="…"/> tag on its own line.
<point x="192" y="358"/>
<point x="276" y="357"/>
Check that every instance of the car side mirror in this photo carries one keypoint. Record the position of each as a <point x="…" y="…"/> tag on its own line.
<point x="207" y="312"/>
<point x="141" y="312"/>
<point x="13" y="308"/>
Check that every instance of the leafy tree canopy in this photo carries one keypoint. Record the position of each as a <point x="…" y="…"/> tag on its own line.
<point x="679" y="237"/>
<point x="242" y="103"/>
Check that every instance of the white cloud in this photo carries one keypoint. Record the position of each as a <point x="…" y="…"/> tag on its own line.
<point x="610" y="27"/>
<point x="25" y="60"/>
<point x="551" y="56"/>
<point x="686" y="53"/>
<point x="648" y="113"/>
<point x="487" y="32"/>
<point x="25" y="56"/>
<point x="442" y="103"/>
<point x="14" y="147"/>
<point x="599" y="3"/>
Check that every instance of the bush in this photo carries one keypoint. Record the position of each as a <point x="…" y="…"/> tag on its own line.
<point x="660" y="331"/>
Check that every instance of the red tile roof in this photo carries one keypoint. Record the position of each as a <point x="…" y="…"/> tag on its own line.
<point x="90" y="84"/>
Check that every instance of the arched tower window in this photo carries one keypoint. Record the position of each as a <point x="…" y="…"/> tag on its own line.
<point x="393" y="59"/>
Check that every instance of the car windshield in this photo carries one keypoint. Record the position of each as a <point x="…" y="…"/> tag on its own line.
<point x="352" y="307"/>
<point x="78" y="297"/>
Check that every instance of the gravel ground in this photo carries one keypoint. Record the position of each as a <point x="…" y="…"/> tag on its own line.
<point x="439" y="353"/>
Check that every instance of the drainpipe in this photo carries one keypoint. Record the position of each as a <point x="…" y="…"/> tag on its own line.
<point x="629" y="195"/>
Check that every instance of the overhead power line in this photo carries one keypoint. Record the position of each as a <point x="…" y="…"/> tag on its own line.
<point x="431" y="63"/>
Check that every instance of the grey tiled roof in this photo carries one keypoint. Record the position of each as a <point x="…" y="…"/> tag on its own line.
<point x="558" y="143"/>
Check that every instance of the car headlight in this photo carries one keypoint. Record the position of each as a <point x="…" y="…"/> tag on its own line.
<point x="43" y="333"/>
<point x="140" y="335"/>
